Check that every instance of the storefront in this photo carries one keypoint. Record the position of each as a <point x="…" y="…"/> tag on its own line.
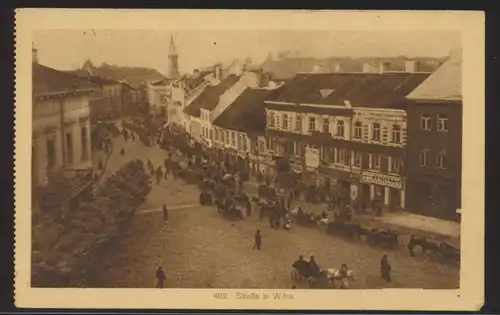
<point x="434" y="196"/>
<point x="388" y="189"/>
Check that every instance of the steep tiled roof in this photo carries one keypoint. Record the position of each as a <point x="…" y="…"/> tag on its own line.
<point x="385" y="90"/>
<point x="444" y="84"/>
<point x="246" y="113"/>
<point x="47" y="80"/>
<point x="209" y="98"/>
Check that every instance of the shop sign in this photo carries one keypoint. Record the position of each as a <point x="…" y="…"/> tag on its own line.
<point x="312" y="158"/>
<point x="382" y="180"/>
<point x="354" y="192"/>
<point x="340" y="167"/>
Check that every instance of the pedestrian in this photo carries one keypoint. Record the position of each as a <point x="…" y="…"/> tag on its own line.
<point x="160" y="277"/>
<point x="165" y="213"/>
<point x="159" y="175"/>
<point x="258" y="240"/>
<point x="385" y="269"/>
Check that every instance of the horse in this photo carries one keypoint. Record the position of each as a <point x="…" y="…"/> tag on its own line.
<point x="426" y="246"/>
<point x="333" y="274"/>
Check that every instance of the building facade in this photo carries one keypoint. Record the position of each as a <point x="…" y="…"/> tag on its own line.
<point x="61" y="124"/>
<point x="435" y="143"/>
<point x="343" y="138"/>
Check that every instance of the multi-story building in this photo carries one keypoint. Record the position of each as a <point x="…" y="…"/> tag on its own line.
<point x="61" y="133"/>
<point x="199" y="112"/>
<point x="345" y="131"/>
<point x="435" y="143"/>
<point x="239" y="129"/>
<point x="106" y="101"/>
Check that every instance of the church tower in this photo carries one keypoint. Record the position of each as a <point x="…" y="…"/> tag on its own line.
<point x="173" y="63"/>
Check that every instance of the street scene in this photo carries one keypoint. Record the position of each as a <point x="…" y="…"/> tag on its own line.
<point x="286" y="166"/>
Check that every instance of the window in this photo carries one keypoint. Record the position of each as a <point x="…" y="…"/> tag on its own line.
<point x="210" y="134"/>
<point x="261" y="146"/>
<point x="378" y="190"/>
<point x="395" y="165"/>
<point x="51" y="152"/>
<point x="69" y="147"/>
<point x="298" y="149"/>
<point x="285" y="121"/>
<point x="312" y="124"/>
<point x="290" y="122"/>
<point x="377" y="161"/>
<point x="84" y="141"/>
<point x="298" y="123"/>
<point x="357" y="159"/>
<point x="340" y="156"/>
<point x="442" y="123"/>
<point x="358" y="128"/>
<point x="216" y="134"/>
<point x="376" y="131"/>
<point x="233" y="139"/>
<point x="244" y="143"/>
<point x="442" y="160"/>
<point x="425" y="122"/>
<point x="272" y="122"/>
<point x="424" y="158"/>
<point x="238" y="142"/>
<point x="277" y="121"/>
<point x="326" y="125"/>
<point x="228" y="140"/>
<point x="396" y="133"/>
<point x="340" y="128"/>
<point x="324" y="153"/>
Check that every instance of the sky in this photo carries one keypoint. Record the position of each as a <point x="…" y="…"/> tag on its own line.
<point x="68" y="49"/>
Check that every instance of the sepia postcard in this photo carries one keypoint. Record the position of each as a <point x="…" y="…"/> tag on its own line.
<point x="274" y="160"/>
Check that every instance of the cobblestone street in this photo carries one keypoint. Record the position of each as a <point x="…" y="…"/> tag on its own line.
<point x="199" y="249"/>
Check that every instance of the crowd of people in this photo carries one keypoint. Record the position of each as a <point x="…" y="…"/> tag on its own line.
<point x="221" y="185"/>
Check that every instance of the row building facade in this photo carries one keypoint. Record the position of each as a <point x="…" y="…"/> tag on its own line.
<point x="345" y="133"/>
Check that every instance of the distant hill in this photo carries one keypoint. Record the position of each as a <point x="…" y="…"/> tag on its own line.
<point x="134" y="76"/>
<point x="288" y="67"/>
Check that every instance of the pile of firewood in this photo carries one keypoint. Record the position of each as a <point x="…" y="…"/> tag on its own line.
<point x="63" y="249"/>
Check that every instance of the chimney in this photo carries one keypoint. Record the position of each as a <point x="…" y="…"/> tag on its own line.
<point x="383" y="66"/>
<point x="411" y="66"/>
<point x="367" y="68"/>
<point x="34" y="55"/>
<point x="218" y="72"/>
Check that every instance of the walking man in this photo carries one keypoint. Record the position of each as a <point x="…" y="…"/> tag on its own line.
<point x="165" y="213"/>
<point x="385" y="269"/>
<point x="160" y="277"/>
<point x="258" y="240"/>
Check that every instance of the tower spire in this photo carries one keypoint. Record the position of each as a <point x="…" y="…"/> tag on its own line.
<point x="172" y="50"/>
<point x="173" y="63"/>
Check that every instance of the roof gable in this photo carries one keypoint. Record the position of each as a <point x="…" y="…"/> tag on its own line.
<point x="209" y="98"/>
<point x="246" y="113"/>
<point x="444" y="84"/>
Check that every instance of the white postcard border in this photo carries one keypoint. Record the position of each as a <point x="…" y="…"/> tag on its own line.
<point x="470" y="296"/>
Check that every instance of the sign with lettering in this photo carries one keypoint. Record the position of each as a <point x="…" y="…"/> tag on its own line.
<point x="382" y="179"/>
<point x="312" y="157"/>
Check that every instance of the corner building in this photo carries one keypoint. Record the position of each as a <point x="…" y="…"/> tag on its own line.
<point x="347" y="131"/>
<point x="435" y="143"/>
